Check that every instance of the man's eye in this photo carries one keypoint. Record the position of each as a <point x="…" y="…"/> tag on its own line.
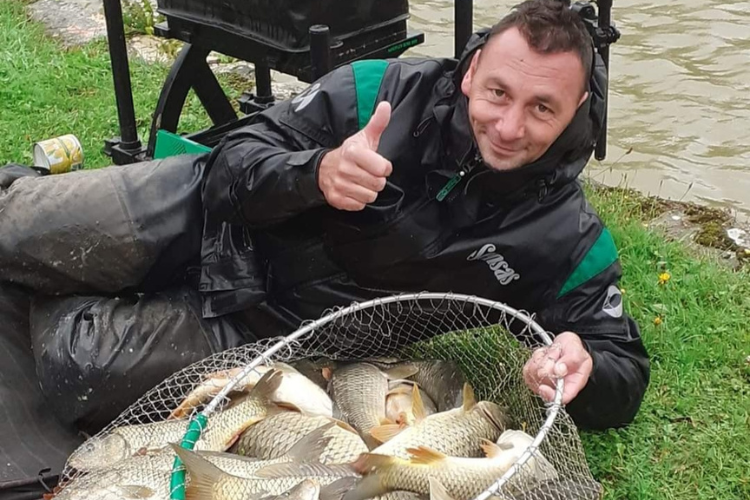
<point x="543" y="109"/>
<point x="498" y="92"/>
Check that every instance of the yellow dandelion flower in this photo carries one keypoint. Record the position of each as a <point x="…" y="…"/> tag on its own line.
<point x="664" y="278"/>
<point x="658" y="321"/>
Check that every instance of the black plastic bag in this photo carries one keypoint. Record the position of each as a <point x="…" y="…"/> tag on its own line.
<point x="95" y="356"/>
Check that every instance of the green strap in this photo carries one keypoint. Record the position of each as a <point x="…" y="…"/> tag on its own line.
<point x="601" y="255"/>
<point x="368" y="75"/>
<point x="177" y="484"/>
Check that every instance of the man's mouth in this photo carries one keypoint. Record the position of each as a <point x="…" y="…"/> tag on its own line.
<point x="502" y="149"/>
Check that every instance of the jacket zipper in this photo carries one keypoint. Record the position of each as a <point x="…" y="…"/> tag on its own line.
<point x="453" y="181"/>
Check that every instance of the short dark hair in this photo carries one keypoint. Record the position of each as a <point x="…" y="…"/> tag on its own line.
<point x="550" y="27"/>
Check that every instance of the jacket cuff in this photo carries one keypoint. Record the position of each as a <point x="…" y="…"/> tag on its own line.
<point x="308" y="163"/>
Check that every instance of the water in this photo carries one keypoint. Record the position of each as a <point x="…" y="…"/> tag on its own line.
<point x="679" y="94"/>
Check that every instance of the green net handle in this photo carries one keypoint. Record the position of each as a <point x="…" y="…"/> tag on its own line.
<point x="177" y="483"/>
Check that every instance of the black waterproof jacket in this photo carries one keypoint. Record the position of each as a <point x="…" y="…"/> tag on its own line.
<point x="525" y="237"/>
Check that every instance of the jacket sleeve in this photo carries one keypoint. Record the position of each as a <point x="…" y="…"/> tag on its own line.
<point x="266" y="172"/>
<point x="594" y="310"/>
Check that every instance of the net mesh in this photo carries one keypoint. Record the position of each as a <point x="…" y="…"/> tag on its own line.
<point x="488" y="341"/>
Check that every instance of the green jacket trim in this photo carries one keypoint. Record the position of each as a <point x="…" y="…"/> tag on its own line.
<point x="367" y="78"/>
<point x="601" y="255"/>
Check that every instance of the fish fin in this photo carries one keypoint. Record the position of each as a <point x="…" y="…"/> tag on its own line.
<point x="267" y="385"/>
<point x="345" y="426"/>
<point x="288" y="406"/>
<point x="469" y="397"/>
<point x="386" y="432"/>
<point x="310" y="469"/>
<point x="312" y="446"/>
<point x="368" y="487"/>
<point x="438" y="491"/>
<point x="386" y="421"/>
<point x="417" y="404"/>
<point x="492" y="450"/>
<point x="203" y="474"/>
<point x="327" y="372"/>
<point x="372" y="462"/>
<point x="422" y="455"/>
<point x="404" y="370"/>
<point x="337" y="489"/>
<point x="234" y="437"/>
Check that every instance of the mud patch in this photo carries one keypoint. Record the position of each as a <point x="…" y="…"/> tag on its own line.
<point x="706" y="230"/>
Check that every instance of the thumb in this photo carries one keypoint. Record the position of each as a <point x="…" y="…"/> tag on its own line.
<point x="377" y="124"/>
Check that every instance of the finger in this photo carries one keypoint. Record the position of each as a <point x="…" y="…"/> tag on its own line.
<point x="377" y="124"/>
<point x="547" y="393"/>
<point x="357" y="193"/>
<point x="362" y="177"/>
<point x="370" y="161"/>
<point x="345" y="203"/>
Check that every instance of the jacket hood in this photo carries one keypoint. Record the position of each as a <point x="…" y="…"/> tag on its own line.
<point x="560" y="164"/>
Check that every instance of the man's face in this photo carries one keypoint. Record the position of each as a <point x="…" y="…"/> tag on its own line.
<point x="520" y="101"/>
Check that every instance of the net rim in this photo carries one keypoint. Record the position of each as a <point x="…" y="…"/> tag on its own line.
<point x="552" y="408"/>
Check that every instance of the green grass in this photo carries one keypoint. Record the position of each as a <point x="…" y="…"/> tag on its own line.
<point x="46" y="92"/>
<point x="691" y="439"/>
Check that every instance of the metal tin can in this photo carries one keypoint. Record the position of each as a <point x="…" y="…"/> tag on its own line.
<point x="59" y="155"/>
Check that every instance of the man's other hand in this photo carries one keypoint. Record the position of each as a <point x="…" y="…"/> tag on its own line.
<point x="352" y="175"/>
<point x="566" y="358"/>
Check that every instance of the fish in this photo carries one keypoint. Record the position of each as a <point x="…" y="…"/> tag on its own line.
<point x="459" y="432"/>
<point x="223" y="430"/>
<point x="273" y="436"/>
<point x="442" y="380"/>
<point x="150" y="475"/>
<point x="295" y="389"/>
<point x="359" y="390"/>
<point x="457" y="478"/>
<point x="208" y="482"/>
<point x="406" y="403"/>
<point x="337" y="489"/>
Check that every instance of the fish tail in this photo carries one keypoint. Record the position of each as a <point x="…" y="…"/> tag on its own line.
<point x="267" y="385"/>
<point x="203" y="474"/>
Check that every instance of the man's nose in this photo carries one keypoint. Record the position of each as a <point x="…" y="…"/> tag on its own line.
<point x="511" y="126"/>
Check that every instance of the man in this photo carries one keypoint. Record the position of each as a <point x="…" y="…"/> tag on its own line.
<point x="462" y="178"/>
<point x="383" y="177"/>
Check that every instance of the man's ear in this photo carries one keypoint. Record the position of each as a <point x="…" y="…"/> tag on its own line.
<point x="583" y="99"/>
<point x="469" y="75"/>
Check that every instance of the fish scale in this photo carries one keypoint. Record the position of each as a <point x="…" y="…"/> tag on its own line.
<point x="123" y="442"/>
<point x="274" y="436"/>
<point x="360" y="390"/>
<point x="457" y="433"/>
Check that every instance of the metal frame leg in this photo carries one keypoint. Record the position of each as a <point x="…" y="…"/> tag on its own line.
<point x="463" y="26"/>
<point x="190" y="70"/>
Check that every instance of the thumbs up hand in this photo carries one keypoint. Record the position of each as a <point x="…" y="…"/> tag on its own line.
<point x="352" y="175"/>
